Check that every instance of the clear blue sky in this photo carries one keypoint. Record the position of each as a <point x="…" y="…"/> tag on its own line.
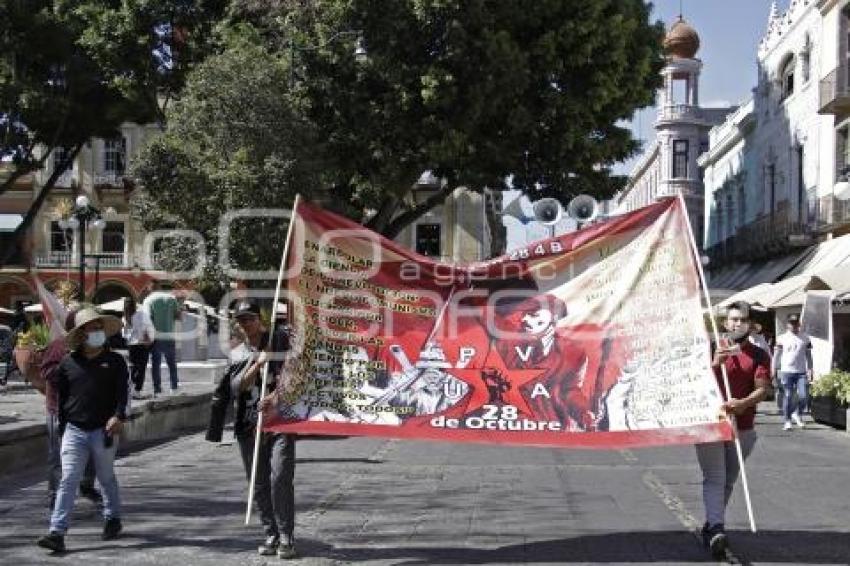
<point x="729" y="31"/>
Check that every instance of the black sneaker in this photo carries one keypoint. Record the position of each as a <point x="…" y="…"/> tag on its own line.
<point x="53" y="542"/>
<point x="112" y="529"/>
<point x="91" y="493"/>
<point x="286" y="551"/>
<point x="714" y="538"/>
<point x="269" y="546"/>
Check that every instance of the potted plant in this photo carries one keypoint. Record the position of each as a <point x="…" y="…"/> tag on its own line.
<point x="29" y="349"/>
<point x="831" y="398"/>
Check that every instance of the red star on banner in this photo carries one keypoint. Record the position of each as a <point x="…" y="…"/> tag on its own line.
<point x="494" y="366"/>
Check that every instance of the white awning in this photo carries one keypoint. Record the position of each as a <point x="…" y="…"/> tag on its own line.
<point x="10" y="222"/>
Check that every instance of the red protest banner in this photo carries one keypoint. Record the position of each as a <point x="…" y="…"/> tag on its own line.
<point x="592" y="339"/>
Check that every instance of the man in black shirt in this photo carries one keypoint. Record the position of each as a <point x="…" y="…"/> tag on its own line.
<point x="274" y="491"/>
<point x="91" y="383"/>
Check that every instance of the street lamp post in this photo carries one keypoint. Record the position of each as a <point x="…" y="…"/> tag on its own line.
<point x="83" y="214"/>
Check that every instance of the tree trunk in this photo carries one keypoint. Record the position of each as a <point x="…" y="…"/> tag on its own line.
<point x="21" y="230"/>
<point x="385" y="213"/>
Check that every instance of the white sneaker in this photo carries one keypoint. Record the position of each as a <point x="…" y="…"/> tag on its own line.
<point x="787" y="426"/>
<point x="797" y="420"/>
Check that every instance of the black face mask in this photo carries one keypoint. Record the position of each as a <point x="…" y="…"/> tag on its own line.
<point x="739" y="335"/>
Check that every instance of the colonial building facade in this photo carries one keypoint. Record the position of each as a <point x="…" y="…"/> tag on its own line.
<point x="771" y="168"/>
<point x="51" y="251"/>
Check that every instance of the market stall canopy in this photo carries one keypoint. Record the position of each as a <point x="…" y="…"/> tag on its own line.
<point x="747" y="295"/>
<point x="836" y="279"/>
<point x="10" y="222"/>
<point x="827" y="255"/>
<point x="113" y="306"/>
<point x="792" y="291"/>
<point x="210" y="311"/>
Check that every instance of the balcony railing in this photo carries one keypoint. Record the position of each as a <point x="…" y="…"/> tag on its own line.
<point x="54" y="259"/>
<point x="767" y="236"/>
<point x="830" y="214"/>
<point x="111" y="178"/>
<point x="835" y="92"/>
<point x="107" y="260"/>
<point x="65" y="180"/>
<point x="679" y="112"/>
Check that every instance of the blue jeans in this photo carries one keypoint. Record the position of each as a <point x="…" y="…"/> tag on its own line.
<point x="159" y="349"/>
<point x="77" y="446"/>
<point x="54" y="460"/>
<point x="790" y="382"/>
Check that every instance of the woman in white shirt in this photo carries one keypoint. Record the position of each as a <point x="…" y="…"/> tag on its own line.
<point x="139" y="334"/>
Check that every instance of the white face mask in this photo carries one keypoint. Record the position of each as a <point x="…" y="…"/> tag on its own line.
<point x="96" y="339"/>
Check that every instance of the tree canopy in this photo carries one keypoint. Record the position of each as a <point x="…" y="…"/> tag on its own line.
<point x="71" y="70"/>
<point x="477" y="91"/>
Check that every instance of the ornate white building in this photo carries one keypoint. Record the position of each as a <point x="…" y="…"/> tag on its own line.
<point x="772" y="167"/>
<point x="775" y="169"/>
<point x="669" y="165"/>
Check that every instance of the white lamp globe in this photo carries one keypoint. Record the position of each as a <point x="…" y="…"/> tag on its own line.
<point x="841" y="190"/>
<point x="82" y="201"/>
<point x="73" y="223"/>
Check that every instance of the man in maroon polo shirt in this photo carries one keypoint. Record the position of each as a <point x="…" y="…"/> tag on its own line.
<point x="748" y="370"/>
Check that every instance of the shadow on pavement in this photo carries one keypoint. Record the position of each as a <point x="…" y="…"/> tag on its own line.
<point x="781" y="547"/>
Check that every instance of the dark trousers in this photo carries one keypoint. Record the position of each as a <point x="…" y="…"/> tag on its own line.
<point x="160" y="349"/>
<point x="138" y="364"/>
<point x="274" y="492"/>
<point x="54" y="460"/>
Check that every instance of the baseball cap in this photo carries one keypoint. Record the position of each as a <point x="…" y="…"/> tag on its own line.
<point x="247" y="308"/>
<point x="793" y="319"/>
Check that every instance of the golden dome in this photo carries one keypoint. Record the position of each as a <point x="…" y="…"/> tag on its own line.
<point x="681" y="40"/>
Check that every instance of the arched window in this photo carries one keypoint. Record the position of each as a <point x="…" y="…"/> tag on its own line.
<point x="786" y="76"/>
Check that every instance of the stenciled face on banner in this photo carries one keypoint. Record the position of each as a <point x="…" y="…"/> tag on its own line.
<point x="597" y="332"/>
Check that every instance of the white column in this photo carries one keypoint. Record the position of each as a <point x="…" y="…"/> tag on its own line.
<point x="695" y="88"/>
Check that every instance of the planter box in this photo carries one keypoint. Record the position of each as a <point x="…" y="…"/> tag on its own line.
<point x="828" y="411"/>
<point x="28" y="360"/>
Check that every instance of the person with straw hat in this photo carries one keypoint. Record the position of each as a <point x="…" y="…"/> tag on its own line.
<point x="92" y="383"/>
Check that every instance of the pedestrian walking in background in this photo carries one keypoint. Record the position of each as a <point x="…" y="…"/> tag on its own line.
<point x="748" y="370"/>
<point x="91" y="383"/>
<point x="139" y="333"/>
<point x="164" y="310"/>
<point x="758" y="338"/>
<point x="792" y="365"/>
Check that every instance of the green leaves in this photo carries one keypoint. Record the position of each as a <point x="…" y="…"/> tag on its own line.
<point x="477" y="91"/>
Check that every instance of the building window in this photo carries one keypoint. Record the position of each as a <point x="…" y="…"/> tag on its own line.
<point x="114" y="154"/>
<point x="730" y="215"/>
<point x="680" y="159"/>
<point x="60" y="154"/>
<point x="60" y="240"/>
<point x="842" y="146"/>
<point x="428" y="239"/>
<point x="113" y="238"/>
<point x="770" y="182"/>
<point x="742" y="206"/>
<point x="806" y="59"/>
<point x="718" y="217"/>
<point x="786" y="76"/>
